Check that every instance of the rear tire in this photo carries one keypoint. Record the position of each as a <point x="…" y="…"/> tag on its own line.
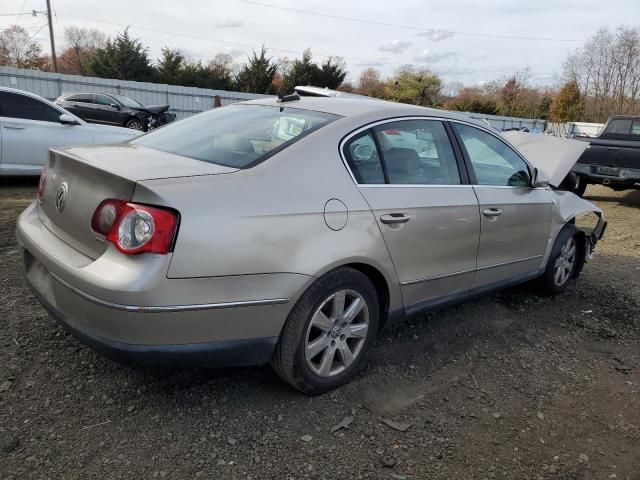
<point x="564" y="261"/>
<point x="328" y="333"/>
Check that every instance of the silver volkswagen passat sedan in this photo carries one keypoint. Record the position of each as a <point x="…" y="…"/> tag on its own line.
<point x="290" y="231"/>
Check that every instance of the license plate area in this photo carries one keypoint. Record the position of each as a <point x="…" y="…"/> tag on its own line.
<point x="613" y="172"/>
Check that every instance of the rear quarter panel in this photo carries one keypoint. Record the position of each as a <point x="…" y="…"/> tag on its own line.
<point x="270" y="218"/>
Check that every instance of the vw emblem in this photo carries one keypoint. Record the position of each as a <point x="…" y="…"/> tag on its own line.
<point x="61" y="196"/>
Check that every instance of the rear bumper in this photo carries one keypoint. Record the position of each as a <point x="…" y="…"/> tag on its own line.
<point x="625" y="176"/>
<point x="127" y="309"/>
<point x="254" y="351"/>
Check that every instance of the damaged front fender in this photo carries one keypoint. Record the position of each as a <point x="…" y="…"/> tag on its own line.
<point x="567" y="208"/>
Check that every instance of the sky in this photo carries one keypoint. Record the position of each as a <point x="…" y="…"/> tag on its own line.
<point x="462" y="40"/>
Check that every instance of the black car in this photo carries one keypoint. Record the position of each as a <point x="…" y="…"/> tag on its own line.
<point x="114" y="109"/>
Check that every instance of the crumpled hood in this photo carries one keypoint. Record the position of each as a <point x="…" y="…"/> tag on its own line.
<point x="554" y="156"/>
<point x="153" y="108"/>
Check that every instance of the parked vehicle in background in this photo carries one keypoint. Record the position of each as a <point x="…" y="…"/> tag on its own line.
<point x="290" y="230"/>
<point x="613" y="157"/>
<point x="111" y="109"/>
<point x="30" y="125"/>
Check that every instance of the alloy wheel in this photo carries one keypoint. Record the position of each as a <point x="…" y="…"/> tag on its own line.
<point x="563" y="267"/>
<point x="135" y="125"/>
<point x="336" y="333"/>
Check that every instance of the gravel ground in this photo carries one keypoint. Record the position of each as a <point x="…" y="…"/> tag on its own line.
<point x="514" y="385"/>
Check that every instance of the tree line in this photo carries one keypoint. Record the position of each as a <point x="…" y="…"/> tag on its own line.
<point x="599" y="79"/>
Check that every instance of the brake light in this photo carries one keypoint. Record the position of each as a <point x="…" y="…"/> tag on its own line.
<point x="41" y="183"/>
<point x="134" y="228"/>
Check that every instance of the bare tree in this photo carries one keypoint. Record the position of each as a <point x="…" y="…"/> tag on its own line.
<point x="81" y="46"/>
<point x="370" y="83"/>
<point x="18" y="50"/>
<point x="607" y="70"/>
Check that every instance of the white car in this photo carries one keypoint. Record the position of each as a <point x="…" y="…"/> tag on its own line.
<point x="30" y="125"/>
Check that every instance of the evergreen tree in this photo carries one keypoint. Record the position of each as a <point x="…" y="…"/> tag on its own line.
<point x="171" y="66"/>
<point x="332" y="73"/>
<point x="567" y="106"/>
<point x="124" y="58"/>
<point x="302" y="72"/>
<point x="257" y="75"/>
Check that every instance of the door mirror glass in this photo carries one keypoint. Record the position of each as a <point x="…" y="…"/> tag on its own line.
<point x="67" y="119"/>
<point x="540" y="179"/>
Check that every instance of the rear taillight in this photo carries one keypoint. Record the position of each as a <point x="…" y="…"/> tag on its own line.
<point x="42" y="183"/>
<point x="134" y="228"/>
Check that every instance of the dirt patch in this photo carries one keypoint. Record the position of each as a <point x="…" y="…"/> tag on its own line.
<point x="512" y="385"/>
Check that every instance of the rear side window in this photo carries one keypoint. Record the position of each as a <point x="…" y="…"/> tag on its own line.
<point x="238" y="136"/>
<point x="364" y="159"/>
<point x="635" y="128"/>
<point x="417" y="152"/>
<point x="13" y="105"/>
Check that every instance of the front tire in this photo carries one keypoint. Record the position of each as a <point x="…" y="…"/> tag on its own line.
<point x="328" y="333"/>
<point x="563" y="263"/>
<point x="134" y="124"/>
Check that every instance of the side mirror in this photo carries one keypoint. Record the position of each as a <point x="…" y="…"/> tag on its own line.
<point x="539" y="179"/>
<point x="115" y="105"/>
<point x="67" y="119"/>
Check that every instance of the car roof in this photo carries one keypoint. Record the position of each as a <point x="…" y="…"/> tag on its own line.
<point x="358" y="106"/>
<point x="23" y="92"/>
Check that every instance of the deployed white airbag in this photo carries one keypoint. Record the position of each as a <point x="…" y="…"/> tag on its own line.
<point x="552" y="155"/>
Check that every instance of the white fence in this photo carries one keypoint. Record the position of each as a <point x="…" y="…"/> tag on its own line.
<point x="571" y="129"/>
<point x="184" y="101"/>
<point x="503" y="123"/>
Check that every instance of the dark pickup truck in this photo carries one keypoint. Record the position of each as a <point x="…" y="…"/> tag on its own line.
<point x="613" y="157"/>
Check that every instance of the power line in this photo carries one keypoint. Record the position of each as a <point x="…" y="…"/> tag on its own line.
<point x="296" y="52"/>
<point x="408" y="27"/>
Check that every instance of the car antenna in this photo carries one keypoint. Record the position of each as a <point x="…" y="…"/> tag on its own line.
<point x="288" y="98"/>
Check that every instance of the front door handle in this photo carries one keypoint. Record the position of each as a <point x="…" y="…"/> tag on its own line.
<point x="613" y="149"/>
<point x="393" y="218"/>
<point x="13" y="126"/>
<point x="492" y="212"/>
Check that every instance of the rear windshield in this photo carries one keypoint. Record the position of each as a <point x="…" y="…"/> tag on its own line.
<point x="237" y="136"/>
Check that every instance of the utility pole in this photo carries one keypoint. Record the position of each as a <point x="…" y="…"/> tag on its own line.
<point x="53" y="43"/>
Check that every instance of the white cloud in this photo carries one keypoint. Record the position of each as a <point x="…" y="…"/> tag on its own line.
<point x="229" y="23"/>
<point x="235" y="52"/>
<point x="369" y="64"/>
<point x="435" y="35"/>
<point x="397" y="46"/>
<point x="429" y="56"/>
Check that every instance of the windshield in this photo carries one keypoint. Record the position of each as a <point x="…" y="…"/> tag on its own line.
<point x="126" y="101"/>
<point x="238" y="136"/>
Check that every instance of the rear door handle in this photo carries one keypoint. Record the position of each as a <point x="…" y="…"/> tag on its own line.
<point x="13" y="126"/>
<point x="393" y="218"/>
<point x="492" y="212"/>
<point x="613" y="149"/>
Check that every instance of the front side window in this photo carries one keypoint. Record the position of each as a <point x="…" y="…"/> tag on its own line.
<point x="104" y="100"/>
<point x="238" y="136"/>
<point x="364" y="159"/>
<point x="417" y="152"/>
<point x="493" y="161"/>
<point x="127" y="101"/>
<point x="13" y="105"/>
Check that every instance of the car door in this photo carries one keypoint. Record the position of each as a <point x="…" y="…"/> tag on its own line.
<point x="29" y="128"/>
<point x="426" y="210"/>
<point x="515" y="218"/>
<point x="107" y="110"/>
<point x="80" y="104"/>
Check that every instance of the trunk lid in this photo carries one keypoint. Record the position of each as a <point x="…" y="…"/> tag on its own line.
<point x="80" y="178"/>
